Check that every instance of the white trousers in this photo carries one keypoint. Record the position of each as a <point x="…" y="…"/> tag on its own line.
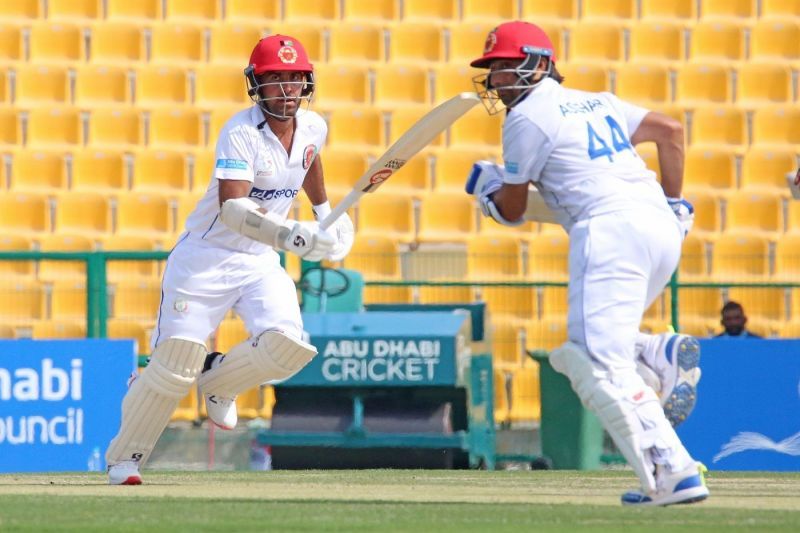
<point x="618" y="264"/>
<point x="202" y="283"/>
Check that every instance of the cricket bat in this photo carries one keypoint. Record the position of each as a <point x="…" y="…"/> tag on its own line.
<point x="415" y="139"/>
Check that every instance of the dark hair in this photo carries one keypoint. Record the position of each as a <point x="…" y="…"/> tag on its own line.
<point x="732" y="306"/>
<point x="555" y="74"/>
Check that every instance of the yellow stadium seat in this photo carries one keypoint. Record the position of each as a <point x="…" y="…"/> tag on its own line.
<point x="52" y="270"/>
<point x="15" y="269"/>
<point x="186" y="204"/>
<point x="117" y="43"/>
<point x="175" y="129"/>
<point x="761" y="305"/>
<point x="710" y="168"/>
<point x="232" y="43"/>
<point x="754" y="210"/>
<point x="794" y="217"/>
<point x="490" y="258"/>
<point x="507" y="347"/>
<point x="159" y="85"/>
<point x="40" y="85"/>
<point x="216" y="85"/>
<point x="100" y="85"/>
<point x="548" y="255"/>
<point x="430" y="11"/>
<point x="192" y="11"/>
<point x="387" y="214"/>
<point x="79" y="11"/>
<point x="562" y="11"/>
<point x="776" y="40"/>
<point x="21" y="11"/>
<point x="720" y="127"/>
<point x="383" y="11"/>
<point x="54" y="129"/>
<point x="129" y="329"/>
<point x="121" y="270"/>
<point x="231" y="331"/>
<point x="42" y="171"/>
<point x="356" y="128"/>
<point x="703" y="83"/>
<point x="658" y="42"/>
<point x="176" y="44"/>
<point x="585" y="76"/>
<point x="10" y="129"/>
<point x="138" y="299"/>
<point x="790" y="330"/>
<point x="766" y="168"/>
<point x="681" y="11"/>
<point x="501" y="404"/>
<point x="488" y="226"/>
<point x="401" y="85"/>
<point x="55" y="42"/>
<point x="245" y="11"/>
<point x="21" y="301"/>
<point x="58" y="329"/>
<point x="476" y="130"/>
<point x="526" y="399"/>
<point x="114" y="129"/>
<point x="416" y="43"/>
<point x="311" y="35"/>
<point x="376" y="256"/>
<point x="787" y="257"/>
<point x="480" y="11"/>
<point x="740" y="256"/>
<point x="694" y="258"/>
<point x="718" y="42"/>
<point x="144" y="215"/>
<point x="738" y="10"/>
<point x="609" y="9"/>
<point x="202" y="169"/>
<point x="11" y="50"/>
<point x="778" y="127"/>
<point x="446" y="217"/>
<point x="554" y="302"/>
<point x="311" y="11"/>
<point x="341" y="84"/>
<point x="160" y="171"/>
<point x="699" y="302"/>
<point x="83" y="213"/>
<point x="466" y="40"/>
<point x="597" y="42"/>
<point x="99" y="171"/>
<point x="452" y="79"/>
<point x="519" y="303"/>
<point x="643" y="83"/>
<point x="780" y="9"/>
<point x="356" y="44"/>
<point x="342" y="168"/>
<point x="413" y="179"/>
<point x="707" y="211"/>
<point x="24" y="214"/>
<point x="139" y="12"/>
<point x="217" y="119"/>
<point x="7" y="332"/>
<point x="545" y="334"/>
<point x="452" y="168"/>
<point x="760" y="83"/>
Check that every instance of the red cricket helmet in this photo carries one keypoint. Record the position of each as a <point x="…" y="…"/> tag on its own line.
<point x="279" y="52"/>
<point x="515" y="40"/>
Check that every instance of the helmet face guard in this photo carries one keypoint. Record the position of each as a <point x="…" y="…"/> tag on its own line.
<point x="526" y="72"/>
<point x="254" y="91"/>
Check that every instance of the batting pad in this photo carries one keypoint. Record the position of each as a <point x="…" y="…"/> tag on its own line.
<point x="153" y="397"/>
<point x="272" y="355"/>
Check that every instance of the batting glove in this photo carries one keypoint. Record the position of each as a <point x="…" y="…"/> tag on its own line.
<point x="684" y="210"/>
<point x="342" y="230"/>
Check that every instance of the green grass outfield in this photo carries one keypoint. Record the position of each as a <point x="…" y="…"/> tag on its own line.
<point x="387" y="500"/>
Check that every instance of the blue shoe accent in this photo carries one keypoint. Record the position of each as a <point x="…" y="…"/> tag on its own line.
<point x="635" y="498"/>
<point x="681" y="401"/>
<point x="688" y="483"/>
<point x="668" y="349"/>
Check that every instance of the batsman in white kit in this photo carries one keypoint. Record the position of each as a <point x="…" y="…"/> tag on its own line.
<point x="227" y="259"/>
<point x="625" y="233"/>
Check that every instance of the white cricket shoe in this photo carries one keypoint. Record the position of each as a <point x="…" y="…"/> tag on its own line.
<point x="688" y="486"/>
<point x="221" y="410"/>
<point x="675" y="360"/>
<point x="124" y="473"/>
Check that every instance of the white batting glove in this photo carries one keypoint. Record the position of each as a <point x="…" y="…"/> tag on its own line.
<point x="684" y="210"/>
<point x="308" y="241"/>
<point x="341" y="229"/>
<point x="483" y="181"/>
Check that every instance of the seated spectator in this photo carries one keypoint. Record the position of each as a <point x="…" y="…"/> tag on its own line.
<point x="734" y="321"/>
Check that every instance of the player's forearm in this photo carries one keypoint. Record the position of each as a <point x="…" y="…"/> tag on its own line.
<point x="314" y="184"/>
<point x="670" y="159"/>
<point x="511" y="200"/>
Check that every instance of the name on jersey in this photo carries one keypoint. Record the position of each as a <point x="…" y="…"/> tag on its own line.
<point x="270" y="194"/>
<point x="236" y="164"/>
<point x="587" y="106"/>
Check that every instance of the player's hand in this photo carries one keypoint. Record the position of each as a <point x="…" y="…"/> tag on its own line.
<point x="484" y="179"/>
<point x="341" y="229"/>
<point x="308" y="241"/>
<point x="684" y="210"/>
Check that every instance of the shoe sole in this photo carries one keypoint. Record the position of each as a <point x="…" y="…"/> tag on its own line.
<point x="693" y="495"/>
<point x="681" y="401"/>
<point x="130" y="480"/>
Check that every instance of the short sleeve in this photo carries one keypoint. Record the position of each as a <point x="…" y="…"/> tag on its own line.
<point x="633" y="114"/>
<point x="526" y="148"/>
<point x="234" y="156"/>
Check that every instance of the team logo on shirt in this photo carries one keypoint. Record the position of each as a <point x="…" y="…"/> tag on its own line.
<point x="491" y="41"/>
<point x="308" y="155"/>
<point x="287" y="54"/>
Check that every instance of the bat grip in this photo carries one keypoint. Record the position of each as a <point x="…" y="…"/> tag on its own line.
<point x="351" y="198"/>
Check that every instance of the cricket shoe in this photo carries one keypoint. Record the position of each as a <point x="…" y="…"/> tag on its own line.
<point x="221" y="410"/>
<point x="670" y="364"/>
<point x="687" y="486"/>
<point x="124" y="473"/>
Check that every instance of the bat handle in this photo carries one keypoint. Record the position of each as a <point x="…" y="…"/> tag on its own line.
<point x="351" y="198"/>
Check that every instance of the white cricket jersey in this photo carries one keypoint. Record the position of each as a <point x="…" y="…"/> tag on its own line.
<point x="575" y="147"/>
<point x="245" y="152"/>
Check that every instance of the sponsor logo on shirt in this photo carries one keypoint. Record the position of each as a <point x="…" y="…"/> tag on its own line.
<point x="236" y="164"/>
<point x="512" y="167"/>
<point x="271" y="194"/>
